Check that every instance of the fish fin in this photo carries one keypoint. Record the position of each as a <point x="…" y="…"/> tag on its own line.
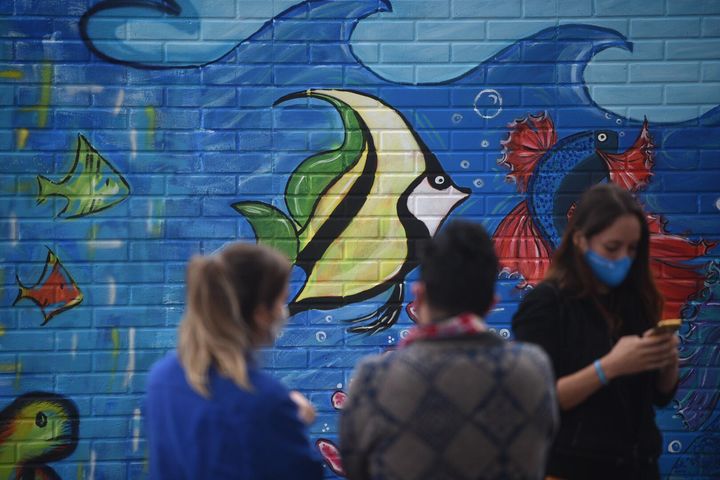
<point x="316" y="173"/>
<point x="385" y="316"/>
<point x="271" y="226"/>
<point x="72" y="303"/>
<point x="676" y="278"/>
<point x="529" y="139"/>
<point x="521" y="247"/>
<point x="331" y="454"/>
<point x="46" y="188"/>
<point x="631" y="169"/>
<point x="412" y="311"/>
<point x="22" y="292"/>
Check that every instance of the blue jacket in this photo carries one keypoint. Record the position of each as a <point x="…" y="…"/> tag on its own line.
<point x="234" y="434"/>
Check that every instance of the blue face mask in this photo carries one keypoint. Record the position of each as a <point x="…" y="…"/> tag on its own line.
<point x="610" y="272"/>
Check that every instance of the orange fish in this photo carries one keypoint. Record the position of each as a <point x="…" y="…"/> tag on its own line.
<point x="54" y="292"/>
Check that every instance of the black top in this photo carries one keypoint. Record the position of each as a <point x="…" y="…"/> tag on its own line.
<point x="612" y="434"/>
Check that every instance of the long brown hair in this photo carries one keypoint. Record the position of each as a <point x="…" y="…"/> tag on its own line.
<point x="223" y="292"/>
<point x="597" y="210"/>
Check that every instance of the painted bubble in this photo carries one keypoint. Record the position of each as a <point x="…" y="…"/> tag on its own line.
<point x="488" y="103"/>
<point x="675" y="446"/>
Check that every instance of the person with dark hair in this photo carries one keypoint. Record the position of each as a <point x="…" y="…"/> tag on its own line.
<point x="455" y="400"/>
<point x="594" y="316"/>
<point x="210" y="411"/>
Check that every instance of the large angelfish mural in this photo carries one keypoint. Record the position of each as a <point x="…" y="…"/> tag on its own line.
<point x="357" y="213"/>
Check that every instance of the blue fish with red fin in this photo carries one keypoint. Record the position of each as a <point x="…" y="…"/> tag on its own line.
<point x="553" y="174"/>
<point x="55" y="291"/>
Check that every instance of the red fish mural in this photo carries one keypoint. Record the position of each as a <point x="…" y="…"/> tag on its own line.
<point x="55" y="291"/>
<point x="552" y="174"/>
<point x="669" y="254"/>
<point x="338" y="399"/>
<point x="331" y="455"/>
<point x="328" y="450"/>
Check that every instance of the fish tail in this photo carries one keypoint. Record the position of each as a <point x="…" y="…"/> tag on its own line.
<point x="521" y="247"/>
<point x="22" y="291"/>
<point x="677" y="275"/>
<point x="271" y="226"/>
<point x="46" y="188"/>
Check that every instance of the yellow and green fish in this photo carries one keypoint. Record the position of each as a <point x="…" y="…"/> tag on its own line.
<point x="92" y="185"/>
<point x="35" y="429"/>
<point x="357" y="213"/>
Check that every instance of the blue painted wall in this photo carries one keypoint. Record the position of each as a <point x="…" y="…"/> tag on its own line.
<point x="175" y="100"/>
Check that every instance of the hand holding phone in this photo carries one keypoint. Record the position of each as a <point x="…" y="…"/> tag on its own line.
<point x="670" y="325"/>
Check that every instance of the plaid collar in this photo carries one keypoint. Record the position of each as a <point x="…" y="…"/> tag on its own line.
<point x="463" y="325"/>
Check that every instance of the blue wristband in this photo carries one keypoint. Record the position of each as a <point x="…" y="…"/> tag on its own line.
<point x="600" y="372"/>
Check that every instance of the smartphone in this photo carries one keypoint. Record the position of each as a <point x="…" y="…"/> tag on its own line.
<point x="670" y="325"/>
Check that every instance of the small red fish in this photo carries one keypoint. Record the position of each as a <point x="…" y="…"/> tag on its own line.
<point x="54" y="292"/>
<point x="338" y="399"/>
<point x="331" y="454"/>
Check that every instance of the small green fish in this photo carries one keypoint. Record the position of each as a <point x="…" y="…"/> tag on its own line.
<point x="92" y="185"/>
<point x="36" y="428"/>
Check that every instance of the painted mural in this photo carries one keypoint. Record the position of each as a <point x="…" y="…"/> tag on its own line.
<point x="47" y="425"/>
<point x="54" y="292"/>
<point x="138" y="133"/>
<point x="91" y="185"/>
<point x="336" y="200"/>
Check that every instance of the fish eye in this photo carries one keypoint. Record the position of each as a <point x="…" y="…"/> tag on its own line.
<point x="602" y="137"/>
<point x="41" y="419"/>
<point x="439" y="180"/>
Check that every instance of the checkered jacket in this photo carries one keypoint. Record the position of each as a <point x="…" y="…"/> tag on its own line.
<point x="451" y="408"/>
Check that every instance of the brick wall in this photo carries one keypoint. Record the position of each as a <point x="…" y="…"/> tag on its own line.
<point x="172" y="112"/>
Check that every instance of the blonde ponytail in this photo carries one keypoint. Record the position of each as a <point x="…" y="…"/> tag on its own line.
<point x="218" y="329"/>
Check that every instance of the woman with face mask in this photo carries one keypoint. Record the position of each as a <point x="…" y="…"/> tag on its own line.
<point x="210" y="412"/>
<point x="594" y="315"/>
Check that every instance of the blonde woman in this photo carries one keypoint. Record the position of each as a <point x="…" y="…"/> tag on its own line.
<point x="210" y="411"/>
